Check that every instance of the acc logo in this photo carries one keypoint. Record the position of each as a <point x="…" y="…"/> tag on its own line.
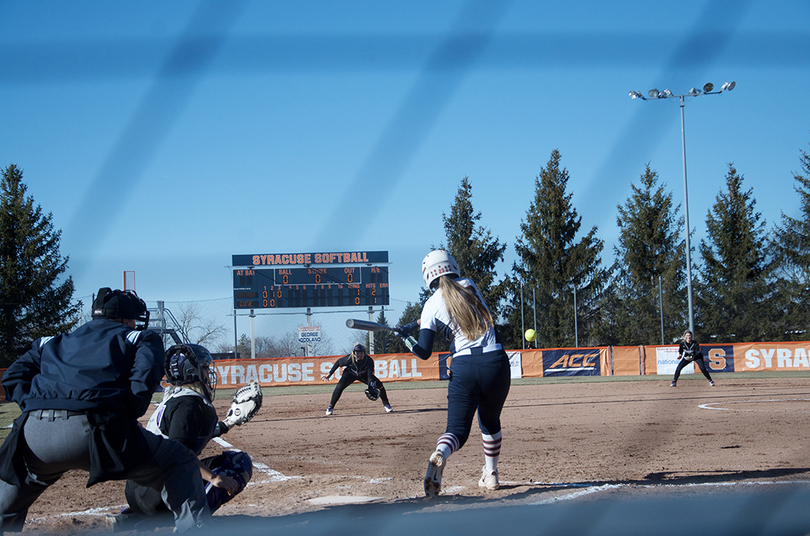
<point x="568" y="363"/>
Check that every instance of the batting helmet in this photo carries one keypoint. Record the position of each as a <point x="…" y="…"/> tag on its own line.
<point x="191" y="363"/>
<point x="436" y="264"/>
<point x="121" y="304"/>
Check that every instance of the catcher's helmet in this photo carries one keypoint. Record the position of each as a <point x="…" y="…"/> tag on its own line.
<point x="372" y="392"/>
<point x="436" y="264"/>
<point x="191" y="363"/>
<point x="121" y="304"/>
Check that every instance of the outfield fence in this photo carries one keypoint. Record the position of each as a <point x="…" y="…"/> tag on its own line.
<point x="549" y="362"/>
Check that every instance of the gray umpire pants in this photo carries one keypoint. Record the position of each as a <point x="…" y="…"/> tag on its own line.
<point x="58" y="441"/>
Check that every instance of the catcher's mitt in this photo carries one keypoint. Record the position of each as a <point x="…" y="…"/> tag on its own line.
<point x="372" y="392"/>
<point x="245" y="405"/>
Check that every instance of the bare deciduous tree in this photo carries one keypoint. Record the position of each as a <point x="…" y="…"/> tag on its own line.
<point x="196" y="329"/>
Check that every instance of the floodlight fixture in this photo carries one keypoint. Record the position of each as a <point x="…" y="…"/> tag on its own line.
<point x="694" y="92"/>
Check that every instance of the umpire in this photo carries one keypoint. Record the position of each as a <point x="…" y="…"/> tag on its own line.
<point x="81" y="395"/>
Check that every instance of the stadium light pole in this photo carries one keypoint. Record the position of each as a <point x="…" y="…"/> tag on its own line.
<point x="667" y="94"/>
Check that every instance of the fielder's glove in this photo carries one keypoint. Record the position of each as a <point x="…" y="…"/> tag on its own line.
<point x="372" y="392"/>
<point x="245" y="405"/>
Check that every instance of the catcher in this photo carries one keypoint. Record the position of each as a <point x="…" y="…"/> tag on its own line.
<point x="186" y="415"/>
<point x="358" y="367"/>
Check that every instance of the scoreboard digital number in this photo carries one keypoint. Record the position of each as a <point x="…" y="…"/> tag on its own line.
<point x="275" y="288"/>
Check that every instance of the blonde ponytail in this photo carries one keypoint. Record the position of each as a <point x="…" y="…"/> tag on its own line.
<point x="465" y="308"/>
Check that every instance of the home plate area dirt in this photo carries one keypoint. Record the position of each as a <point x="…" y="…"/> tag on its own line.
<point x="568" y="441"/>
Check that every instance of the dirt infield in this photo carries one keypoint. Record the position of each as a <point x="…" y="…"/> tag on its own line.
<point x="565" y="440"/>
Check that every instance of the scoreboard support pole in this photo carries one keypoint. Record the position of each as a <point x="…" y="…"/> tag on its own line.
<point x="309" y="325"/>
<point x="371" y="349"/>
<point x="252" y="334"/>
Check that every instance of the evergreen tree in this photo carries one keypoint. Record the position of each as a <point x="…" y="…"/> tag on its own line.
<point x="791" y="244"/>
<point x="649" y="263"/>
<point x="474" y="248"/>
<point x="383" y="339"/>
<point x="553" y="264"/>
<point x="33" y="302"/>
<point x="733" y="291"/>
<point x="412" y="312"/>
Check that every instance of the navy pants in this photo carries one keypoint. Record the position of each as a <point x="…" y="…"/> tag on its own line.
<point x="478" y="382"/>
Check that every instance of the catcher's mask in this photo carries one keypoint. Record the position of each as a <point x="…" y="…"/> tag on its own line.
<point x="191" y="363"/>
<point x="372" y="392"/>
<point x="121" y="304"/>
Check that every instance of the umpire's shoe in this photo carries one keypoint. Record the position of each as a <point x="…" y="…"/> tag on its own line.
<point x="433" y="477"/>
<point x="125" y="521"/>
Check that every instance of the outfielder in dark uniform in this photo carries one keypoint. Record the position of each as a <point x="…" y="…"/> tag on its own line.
<point x="81" y="395"/>
<point x="688" y="352"/>
<point x="187" y="415"/>
<point x="480" y="371"/>
<point x="357" y="366"/>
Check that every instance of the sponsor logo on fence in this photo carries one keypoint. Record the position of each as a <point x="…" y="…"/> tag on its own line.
<point x="571" y="362"/>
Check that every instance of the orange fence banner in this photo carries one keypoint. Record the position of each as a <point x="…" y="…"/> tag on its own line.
<point x="771" y="356"/>
<point x="626" y="361"/>
<point x="278" y="371"/>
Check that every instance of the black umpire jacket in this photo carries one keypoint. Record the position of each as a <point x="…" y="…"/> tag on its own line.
<point x="103" y="369"/>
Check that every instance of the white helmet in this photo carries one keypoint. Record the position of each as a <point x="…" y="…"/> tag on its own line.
<point x="438" y="263"/>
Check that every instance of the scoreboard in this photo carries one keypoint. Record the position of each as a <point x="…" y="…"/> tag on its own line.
<point x="311" y="286"/>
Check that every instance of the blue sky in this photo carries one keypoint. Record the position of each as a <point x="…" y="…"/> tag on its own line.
<point x="166" y="137"/>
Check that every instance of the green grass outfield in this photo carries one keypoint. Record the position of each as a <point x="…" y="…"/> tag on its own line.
<point x="10" y="411"/>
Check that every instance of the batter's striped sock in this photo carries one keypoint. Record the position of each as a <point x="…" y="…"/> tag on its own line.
<point x="492" y="450"/>
<point x="447" y="444"/>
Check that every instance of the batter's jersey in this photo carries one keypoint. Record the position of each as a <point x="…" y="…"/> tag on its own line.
<point x="435" y="317"/>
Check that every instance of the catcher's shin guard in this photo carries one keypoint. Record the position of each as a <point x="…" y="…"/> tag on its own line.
<point x="234" y="464"/>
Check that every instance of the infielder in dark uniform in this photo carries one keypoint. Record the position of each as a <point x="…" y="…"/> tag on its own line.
<point x="187" y="415"/>
<point x="357" y="366"/>
<point x="480" y="373"/>
<point x="689" y="351"/>
<point x="81" y="395"/>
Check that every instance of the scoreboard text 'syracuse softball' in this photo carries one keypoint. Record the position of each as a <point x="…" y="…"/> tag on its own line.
<point x="275" y="281"/>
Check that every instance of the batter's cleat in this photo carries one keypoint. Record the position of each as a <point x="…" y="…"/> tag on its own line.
<point x="388" y="408"/>
<point x="329" y="411"/>
<point x="711" y="383"/>
<point x="672" y="384"/>
<point x="433" y="477"/>
<point x="489" y="479"/>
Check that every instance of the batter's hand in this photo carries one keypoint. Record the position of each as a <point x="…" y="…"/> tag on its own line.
<point x="325" y="377"/>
